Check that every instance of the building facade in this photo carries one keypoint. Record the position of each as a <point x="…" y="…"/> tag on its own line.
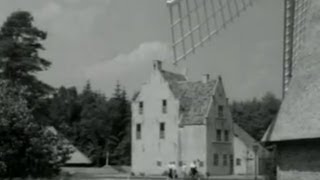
<point x="175" y="120"/>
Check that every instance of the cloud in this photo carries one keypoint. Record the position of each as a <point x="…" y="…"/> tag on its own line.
<point x="146" y="52"/>
<point x="49" y="11"/>
<point x="131" y="69"/>
<point x="70" y="19"/>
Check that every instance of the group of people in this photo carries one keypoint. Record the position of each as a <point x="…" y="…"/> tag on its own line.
<point x="172" y="170"/>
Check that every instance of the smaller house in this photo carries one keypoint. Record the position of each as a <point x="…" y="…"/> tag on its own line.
<point x="245" y="158"/>
<point x="77" y="158"/>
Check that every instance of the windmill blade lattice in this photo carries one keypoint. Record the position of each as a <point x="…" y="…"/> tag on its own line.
<point x="193" y="22"/>
<point x="295" y="13"/>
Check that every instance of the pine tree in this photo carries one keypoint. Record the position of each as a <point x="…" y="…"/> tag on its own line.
<point x="120" y="134"/>
<point x="20" y="43"/>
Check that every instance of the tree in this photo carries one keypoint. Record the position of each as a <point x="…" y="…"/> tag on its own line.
<point x="93" y="129"/>
<point x="120" y="137"/>
<point x="27" y="149"/>
<point x="255" y="115"/>
<point x="95" y="125"/>
<point x="20" y="43"/>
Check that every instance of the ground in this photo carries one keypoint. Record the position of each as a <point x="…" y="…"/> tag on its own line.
<point x="110" y="173"/>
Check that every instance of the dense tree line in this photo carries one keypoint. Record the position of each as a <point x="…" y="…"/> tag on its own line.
<point x="98" y="126"/>
<point x="255" y="115"/>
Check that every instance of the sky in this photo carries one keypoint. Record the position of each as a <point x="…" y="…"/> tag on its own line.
<point x="106" y="41"/>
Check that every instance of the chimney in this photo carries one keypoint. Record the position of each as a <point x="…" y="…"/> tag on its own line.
<point x="205" y="78"/>
<point x="157" y="65"/>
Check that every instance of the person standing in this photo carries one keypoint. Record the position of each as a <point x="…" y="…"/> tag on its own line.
<point x="193" y="169"/>
<point x="170" y="170"/>
<point x="184" y="170"/>
<point x="174" y="170"/>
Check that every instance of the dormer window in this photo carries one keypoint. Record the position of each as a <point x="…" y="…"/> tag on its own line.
<point x="140" y="107"/>
<point x="164" y="106"/>
<point x="220" y="111"/>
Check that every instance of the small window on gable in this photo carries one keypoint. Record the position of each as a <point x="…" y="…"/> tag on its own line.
<point x="238" y="162"/>
<point x="162" y="130"/>
<point x="164" y="106"/>
<point x="215" y="159"/>
<point x="226" y="135"/>
<point x="138" y="131"/>
<point x="218" y="135"/>
<point x="140" y="107"/>
<point x="220" y="111"/>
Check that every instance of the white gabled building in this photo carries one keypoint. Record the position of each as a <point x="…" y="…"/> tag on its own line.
<point x="181" y="121"/>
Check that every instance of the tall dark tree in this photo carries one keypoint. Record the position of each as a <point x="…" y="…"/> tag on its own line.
<point x="94" y="125"/>
<point x="64" y="110"/>
<point x="20" y="43"/>
<point x="120" y="138"/>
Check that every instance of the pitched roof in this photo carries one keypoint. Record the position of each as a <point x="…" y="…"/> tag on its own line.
<point x="194" y="100"/>
<point x="247" y="139"/>
<point x="242" y="134"/>
<point x="299" y="115"/>
<point x="76" y="157"/>
<point x="172" y="77"/>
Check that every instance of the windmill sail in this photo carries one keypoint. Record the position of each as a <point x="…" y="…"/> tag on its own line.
<point x="193" y="22"/>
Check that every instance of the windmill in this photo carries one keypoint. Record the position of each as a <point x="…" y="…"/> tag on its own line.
<point x="194" y="22"/>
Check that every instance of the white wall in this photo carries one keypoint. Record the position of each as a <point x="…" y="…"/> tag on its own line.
<point x="150" y="148"/>
<point x="246" y="156"/>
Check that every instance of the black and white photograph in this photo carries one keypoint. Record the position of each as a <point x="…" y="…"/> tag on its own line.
<point x="160" y="89"/>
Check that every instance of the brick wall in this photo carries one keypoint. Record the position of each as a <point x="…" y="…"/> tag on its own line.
<point x="298" y="160"/>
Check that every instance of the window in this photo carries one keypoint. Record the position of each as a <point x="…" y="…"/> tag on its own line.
<point x="220" y="111"/>
<point x="140" y="107"/>
<point x="226" y="135"/>
<point x="138" y="131"/>
<point x="218" y="134"/>
<point x="164" y="106"/>
<point x="225" y="160"/>
<point x="180" y="163"/>
<point x="200" y="163"/>
<point x="162" y="130"/>
<point x="159" y="163"/>
<point x="238" y="162"/>
<point x="231" y="159"/>
<point x="215" y="159"/>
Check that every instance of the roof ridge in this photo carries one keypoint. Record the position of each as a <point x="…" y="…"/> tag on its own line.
<point x="162" y="70"/>
<point x="186" y="81"/>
